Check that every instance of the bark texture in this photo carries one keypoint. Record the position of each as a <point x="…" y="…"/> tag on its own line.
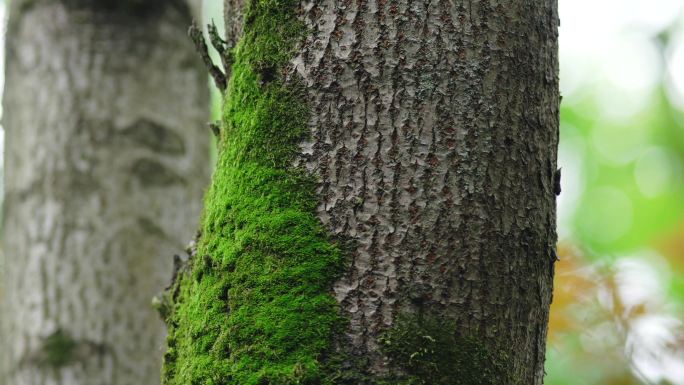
<point x="431" y="130"/>
<point x="434" y="133"/>
<point x="106" y="158"/>
<point x="232" y="15"/>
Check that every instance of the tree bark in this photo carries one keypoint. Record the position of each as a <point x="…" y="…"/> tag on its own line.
<point x="106" y="158"/>
<point x="432" y="135"/>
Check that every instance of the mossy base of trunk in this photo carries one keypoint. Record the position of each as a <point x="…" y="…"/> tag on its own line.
<point x="424" y="349"/>
<point x="430" y="351"/>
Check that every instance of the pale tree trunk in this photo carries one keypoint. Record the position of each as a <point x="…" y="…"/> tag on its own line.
<point x="106" y="158"/>
<point x="430" y="129"/>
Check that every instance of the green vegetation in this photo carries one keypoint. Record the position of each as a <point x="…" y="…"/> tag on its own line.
<point x="621" y="212"/>
<point x="255" y="305"/>
<point x="59" y="349"/>
<point x="431" y="352"/>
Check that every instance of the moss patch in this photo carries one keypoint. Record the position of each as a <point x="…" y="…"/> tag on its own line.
<point x="430" y="351"/>
<point x="254" y="306"/>
<point x="59" y="349"/>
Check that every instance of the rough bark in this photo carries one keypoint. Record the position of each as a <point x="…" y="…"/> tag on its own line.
<point x="106" y="158"/>
<point x="432" y="134"/>
<point x="232" y="15"/>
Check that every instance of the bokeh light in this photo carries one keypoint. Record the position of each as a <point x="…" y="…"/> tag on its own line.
<point x="616" y="317"/>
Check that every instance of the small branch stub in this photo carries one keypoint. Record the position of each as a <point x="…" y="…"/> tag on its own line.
<point x="557" y="182"/>
<point x="215" y="128"/>
<point x="222" y="47"/>
<point x="197" y="37"/>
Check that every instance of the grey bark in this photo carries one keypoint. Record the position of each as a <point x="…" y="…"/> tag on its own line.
<point x="232" y="16"/>
<point x="434" y="133"/>
<point x="106" y="158"/>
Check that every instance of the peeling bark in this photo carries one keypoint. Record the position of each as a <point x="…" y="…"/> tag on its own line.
<point x="106" y="158"/>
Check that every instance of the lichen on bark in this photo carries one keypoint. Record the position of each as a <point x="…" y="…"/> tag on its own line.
<point x="255" y="305"/>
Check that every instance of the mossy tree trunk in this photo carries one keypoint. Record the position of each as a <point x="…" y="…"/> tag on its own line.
<point x="383" y="209"/>
<point x="106" y="158"/>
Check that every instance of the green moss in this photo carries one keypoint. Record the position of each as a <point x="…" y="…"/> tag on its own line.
<point x="59" y="349"/>
<point x="255" y="305"/>
<point x="431" y="352"/>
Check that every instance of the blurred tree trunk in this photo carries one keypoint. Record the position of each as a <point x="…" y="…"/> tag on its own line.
<point x="383" y="207"/>
<point x="106" y="158"/>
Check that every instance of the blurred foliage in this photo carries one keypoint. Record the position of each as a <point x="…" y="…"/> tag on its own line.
<point x="619" y="286"/>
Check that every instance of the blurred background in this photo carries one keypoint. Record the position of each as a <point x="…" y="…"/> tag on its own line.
<point x="619" y="291"/>
<point x="618" y="305"/>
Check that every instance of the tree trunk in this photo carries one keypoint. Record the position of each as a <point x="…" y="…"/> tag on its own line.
<point x="383" y="210"/>
<point x="106" y="158"/>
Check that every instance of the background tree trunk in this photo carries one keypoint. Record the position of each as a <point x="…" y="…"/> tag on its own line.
<point x="433" y="134"/>
<point x="106" y="158"/>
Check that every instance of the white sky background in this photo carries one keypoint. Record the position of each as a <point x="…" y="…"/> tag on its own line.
<point x="608" y="42"/>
